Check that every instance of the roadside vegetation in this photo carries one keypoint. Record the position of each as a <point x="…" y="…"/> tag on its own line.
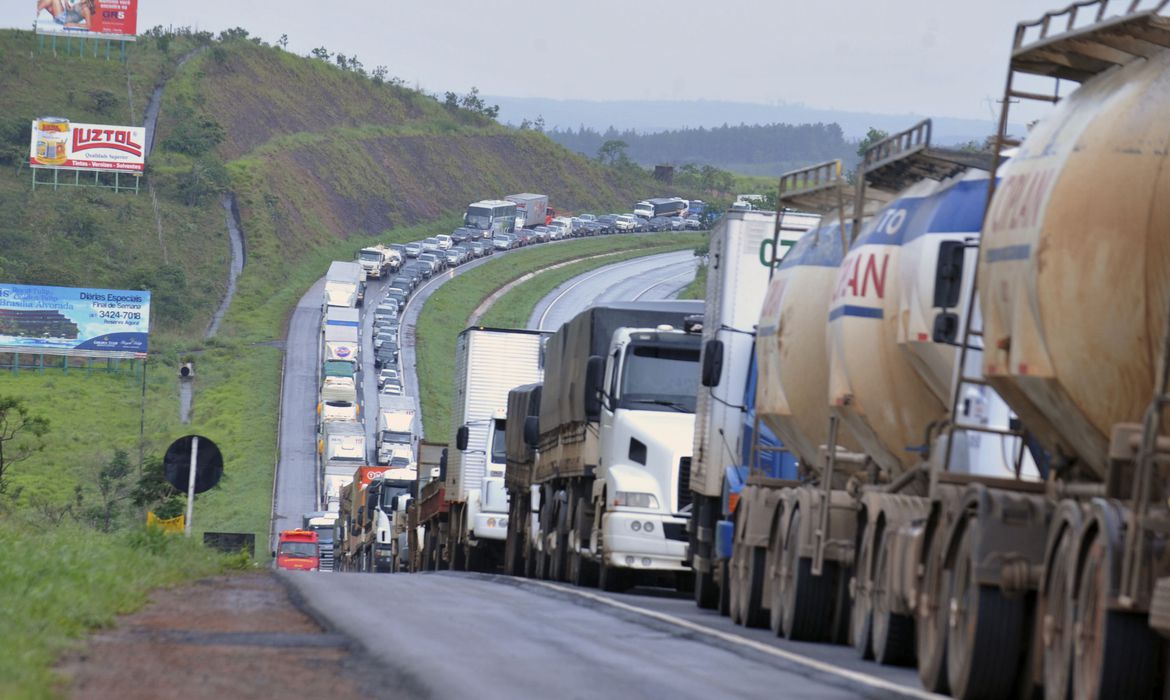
<point x="697" y="289"/>
<point x="448" y="309"/>
<point x="70" y="579"/>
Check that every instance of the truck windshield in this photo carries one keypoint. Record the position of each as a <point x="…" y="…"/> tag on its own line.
<point x="499" y="448"/>
<point x="660" y="378"/>
<point x="297" y="550"/>
<point x="324" y="533"/>
<point x="394" y="436"/>
<point x="371" y="256"/>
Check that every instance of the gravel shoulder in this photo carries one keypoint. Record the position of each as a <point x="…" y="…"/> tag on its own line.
<point x="241" y="636"/>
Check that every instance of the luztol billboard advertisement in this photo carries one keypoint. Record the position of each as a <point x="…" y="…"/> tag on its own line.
<point x="103" y="19"/>
<point x="58" y="143"/>
<point x="73" y="321"/>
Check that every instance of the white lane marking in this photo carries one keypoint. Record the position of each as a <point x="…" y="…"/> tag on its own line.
<point x="583" y="280"/>
<point x="661" y="282"/>
<point x="823" y="667"/>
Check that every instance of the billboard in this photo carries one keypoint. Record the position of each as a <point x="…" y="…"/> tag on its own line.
<point x="59" y="143"/>
<point x="101" y="19"/>
<point x="74" y="321"/>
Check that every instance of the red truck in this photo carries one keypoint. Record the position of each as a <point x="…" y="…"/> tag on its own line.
<point x="297" y="550"/>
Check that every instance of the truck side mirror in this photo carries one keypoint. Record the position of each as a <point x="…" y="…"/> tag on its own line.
<point x="394" y="503"/>
<point x="712" y="363"/>
<point x="443" y="466"/>
<point x="948" y="274"/>
<point x="532" y="430"/>
<point x="594" y="377"/>
<point x="462" y="436"/>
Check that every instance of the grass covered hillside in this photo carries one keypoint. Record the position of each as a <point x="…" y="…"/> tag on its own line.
<point x="320" y="159"/>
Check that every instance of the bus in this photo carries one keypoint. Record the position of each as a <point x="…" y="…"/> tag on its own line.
<point x="663" y="206"/>
<point x="491" y="216"/>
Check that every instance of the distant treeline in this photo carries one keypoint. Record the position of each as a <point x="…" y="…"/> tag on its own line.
<point x="751" y="149"/>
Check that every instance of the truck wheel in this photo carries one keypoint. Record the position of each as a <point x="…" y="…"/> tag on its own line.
<point x="706" y="592"/>
<point x="458" y="557"/>
<point x="861" y="613"/>
<point x="893" y="633"/>
<point x="723" y="581"/>
<point x="614" y="580"/>
<point x="735" y="569"/>
<point x="930" y="632"/>
<point x="1117" y="653"/>
<point x="984" y="639"/>
<point x="1055" y="618"/>
<point x="754" y="612"/>
<point x="808" y="605"/>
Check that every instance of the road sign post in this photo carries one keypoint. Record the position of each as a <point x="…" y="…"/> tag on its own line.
<point x="191" y="484"/>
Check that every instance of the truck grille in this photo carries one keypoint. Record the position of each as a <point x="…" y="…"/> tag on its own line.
<point x="326" y="558"/>
<point x="684" y="483"/>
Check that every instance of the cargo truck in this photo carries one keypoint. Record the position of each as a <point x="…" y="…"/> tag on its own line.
<point x="521" y="435"/>
<point x="296" y="550"/>
<point x="343" y="283"/>
<point x="395" y="485"/>
<point x="379" y="260"/>
<point x="321" y="522"/>
<point x="428" y="510"/>
<point x="333" y="410"/>
<point x="744" y="248"/>
<point x="531" y="209"/>
<point x="341" y="335"/>
<point x="341" y="448"/>
<point x="355" y="523"/>
<point x="489" y="362"/>
<point x="616" y="425"/>
<point x="396" y="428"/>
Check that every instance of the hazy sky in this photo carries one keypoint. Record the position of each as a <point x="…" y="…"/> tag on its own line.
<point x="937" y="57"/>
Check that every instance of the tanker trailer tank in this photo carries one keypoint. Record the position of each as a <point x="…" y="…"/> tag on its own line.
<point x="1074" y="282"/>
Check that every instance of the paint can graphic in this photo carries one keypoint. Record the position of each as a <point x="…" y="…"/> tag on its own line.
<point x="52" y="138"/>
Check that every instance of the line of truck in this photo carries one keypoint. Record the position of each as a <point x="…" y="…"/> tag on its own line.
<point x="924" y="416"/>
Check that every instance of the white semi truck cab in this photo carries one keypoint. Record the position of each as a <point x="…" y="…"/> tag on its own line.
<point x="646" y="409"/>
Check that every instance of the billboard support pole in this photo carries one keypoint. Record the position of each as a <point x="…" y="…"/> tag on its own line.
<point x="142" y="422"/>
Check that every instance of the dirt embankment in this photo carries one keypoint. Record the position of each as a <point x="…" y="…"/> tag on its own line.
<point x="226" y="637"/>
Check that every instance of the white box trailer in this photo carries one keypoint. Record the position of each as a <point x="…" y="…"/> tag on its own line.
<point x="531" y="209"/>
<point x="489" y="362"/>
<point x="397" y="427"/>
<point x="743" y="248"/>
<point x="341" y="334"/>
<point x="342" y="284"/>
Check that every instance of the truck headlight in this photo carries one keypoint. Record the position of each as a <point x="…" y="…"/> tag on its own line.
<point x="635" y="499"/>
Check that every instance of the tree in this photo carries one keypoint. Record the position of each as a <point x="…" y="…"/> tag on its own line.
<point x="378" y="75"/>
<point x="114" y="487"/>
<point x="282" y="42"/>
<point x="154" y="493"/>
<point x="321" y="52"/>
<point x="612" y="151"/>
<point x="871" y="137"/>
<point x="20" y="435"/>
<point x="103" y="101"/>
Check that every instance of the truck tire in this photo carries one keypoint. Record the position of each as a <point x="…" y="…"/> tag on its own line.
<point x="808" y="603"/>
<point x="735" y="569"/>
<point x="893" y="633"/>
<point x="861" y="613"/>
<point x="614" y="579"/>
<point x="930" y="632"/>
<point x="706" y="592"/>
<point x="985" y="635"/>
<point x="752" y="592"/>
<point x="1055" y="617"/>
<point x="1117" y="652"/>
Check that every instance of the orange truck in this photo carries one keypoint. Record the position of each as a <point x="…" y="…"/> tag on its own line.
<point x="298" y="550"/>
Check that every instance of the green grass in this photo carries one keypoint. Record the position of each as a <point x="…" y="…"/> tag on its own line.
<point x="67" y="581"/>
<point x="447" y="310"/>
<point x="513" y="309"/>
<point x="697" y="289"/>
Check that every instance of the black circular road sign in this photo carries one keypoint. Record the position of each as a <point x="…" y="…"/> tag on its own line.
<point x="208" y="464"/>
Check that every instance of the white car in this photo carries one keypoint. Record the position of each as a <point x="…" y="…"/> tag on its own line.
<point x="444" y="241"/>
<point x="387" y="375"/>
<point x="391" y="389"/>
<point x="625" y="223"/>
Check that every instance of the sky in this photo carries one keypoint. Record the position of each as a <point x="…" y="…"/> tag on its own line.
<point x="937" y="57"/>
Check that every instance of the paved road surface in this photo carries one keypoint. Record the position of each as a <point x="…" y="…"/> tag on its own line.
<point x="467" y="635"/>
<point x="649" y="278"/>
<point x="296" y="482"/>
